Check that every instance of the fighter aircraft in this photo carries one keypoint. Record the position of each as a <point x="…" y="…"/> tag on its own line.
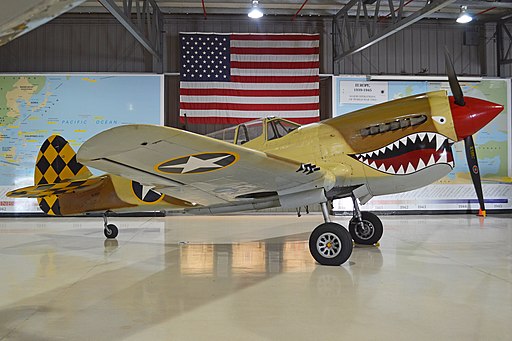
<point x="392" y="147"/>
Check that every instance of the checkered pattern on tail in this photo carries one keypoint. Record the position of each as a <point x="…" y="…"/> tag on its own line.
<point x="56" y="162"/>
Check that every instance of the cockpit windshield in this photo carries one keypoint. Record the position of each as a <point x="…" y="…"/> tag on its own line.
<point x="249" y="131"/>
<point x="277" y="128"/>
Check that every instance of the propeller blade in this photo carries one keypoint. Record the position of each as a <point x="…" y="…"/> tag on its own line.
<point x="474" y="171"/>
<point x="452" y="79"/>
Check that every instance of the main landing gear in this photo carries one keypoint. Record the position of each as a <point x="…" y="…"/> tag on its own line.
<point x="110" y="230"/>
<point x="365" y="227"/>
<point x="331" y="244"/>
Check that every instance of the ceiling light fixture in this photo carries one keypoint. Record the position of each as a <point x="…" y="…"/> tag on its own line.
<point x="464" y="17"/>
<point x="255" y="12"/>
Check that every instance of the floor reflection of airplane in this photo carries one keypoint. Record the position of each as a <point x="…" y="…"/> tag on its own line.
<point x="392" y="147"/>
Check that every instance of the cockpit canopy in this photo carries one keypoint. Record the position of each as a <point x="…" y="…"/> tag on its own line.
<point x="265" y="129"/>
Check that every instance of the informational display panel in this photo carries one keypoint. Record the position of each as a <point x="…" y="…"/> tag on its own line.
<point x="455" y="191"/>
<point x="33" y="107"/>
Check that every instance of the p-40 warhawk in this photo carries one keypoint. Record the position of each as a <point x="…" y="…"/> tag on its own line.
<point x="392" y="147"/>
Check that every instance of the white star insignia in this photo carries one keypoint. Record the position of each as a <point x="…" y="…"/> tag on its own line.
<point x="194" y="163"/>
<point x="145" y="191"/>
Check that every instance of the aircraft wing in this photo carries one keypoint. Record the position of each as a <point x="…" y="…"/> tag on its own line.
<point x="201" y="169"/>
<point x="45" y="190"/>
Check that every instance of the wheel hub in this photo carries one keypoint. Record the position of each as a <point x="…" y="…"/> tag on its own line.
<point x="328" y="245"/>
<point x="365" y="230"/>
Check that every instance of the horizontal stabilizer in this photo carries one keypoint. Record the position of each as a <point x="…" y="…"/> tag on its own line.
<point x="44" y="190"/>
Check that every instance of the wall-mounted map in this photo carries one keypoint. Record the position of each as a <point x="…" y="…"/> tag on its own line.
<point x="33" y="107"/>
<point x="455" y="191"/>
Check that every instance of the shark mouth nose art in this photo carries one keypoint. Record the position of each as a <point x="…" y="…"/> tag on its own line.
<point x="410" y="154"/>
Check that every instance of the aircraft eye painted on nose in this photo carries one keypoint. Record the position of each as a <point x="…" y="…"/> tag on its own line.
<point x="439" y="119"/>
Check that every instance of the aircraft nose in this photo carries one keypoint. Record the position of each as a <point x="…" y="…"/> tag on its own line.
<point x="473" y="116"/>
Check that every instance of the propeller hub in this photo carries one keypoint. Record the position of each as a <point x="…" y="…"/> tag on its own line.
<point x="473" y="116"/>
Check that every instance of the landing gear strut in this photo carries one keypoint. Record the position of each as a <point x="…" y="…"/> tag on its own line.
<point x="110" y="230"/>
<point x="365" y="227"/>
<point x="330" y="243"/>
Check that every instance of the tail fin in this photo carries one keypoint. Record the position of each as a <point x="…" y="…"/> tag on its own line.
<point x="56" y="162"/>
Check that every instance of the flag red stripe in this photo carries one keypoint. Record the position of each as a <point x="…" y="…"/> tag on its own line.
<point x="250" y="106"/>
<point x="275" y="65"/>
<point x="275" y="79"/>
<point x="275" y="51"/>
<point x="239" y="120"/>
<point x="249" y="93"/>
<point x="281" y="37"/>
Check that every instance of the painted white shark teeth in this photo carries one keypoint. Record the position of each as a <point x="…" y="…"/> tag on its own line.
<point x="410" y="169"/>
<point x="415" y="138"/>
<point x="440" y="141"/>
<point x="431" y="161"/>
<point x="443" y="158"/>
<point x="420" y="165"/>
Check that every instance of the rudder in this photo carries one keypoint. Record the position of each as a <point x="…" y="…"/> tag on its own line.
<point x="56" y="161"/>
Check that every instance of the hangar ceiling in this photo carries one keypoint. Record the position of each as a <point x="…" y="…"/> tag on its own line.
<point x="491" y="9"/>
<point x="357" y="24"/>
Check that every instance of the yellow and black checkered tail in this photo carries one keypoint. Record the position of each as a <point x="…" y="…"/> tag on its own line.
<point x="56" y="162"/>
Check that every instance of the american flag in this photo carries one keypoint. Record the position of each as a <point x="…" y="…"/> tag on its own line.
<point x="234" y="78"/>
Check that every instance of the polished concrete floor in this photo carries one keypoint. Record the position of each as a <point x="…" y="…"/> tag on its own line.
<point x="252" y="278"/>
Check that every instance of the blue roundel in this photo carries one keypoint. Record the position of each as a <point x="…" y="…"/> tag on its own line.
<point x="145" y="193"/>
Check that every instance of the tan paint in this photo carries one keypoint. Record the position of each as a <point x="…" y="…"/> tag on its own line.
<point x="429" y="104"/>
<point x="115" y="193"/>
<point x="123" y="189"/>
<point x="100" y="198"/>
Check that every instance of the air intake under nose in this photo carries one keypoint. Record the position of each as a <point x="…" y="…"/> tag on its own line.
<point x="473" y="116"/>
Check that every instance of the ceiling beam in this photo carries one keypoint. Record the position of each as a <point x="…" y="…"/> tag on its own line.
<point x="346" y="28"/>
<point x="148" y="26"/>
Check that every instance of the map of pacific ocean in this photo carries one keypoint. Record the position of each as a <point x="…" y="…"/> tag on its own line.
<point x="33" y="107"/>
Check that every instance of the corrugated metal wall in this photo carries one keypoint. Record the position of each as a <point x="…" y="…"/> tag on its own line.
<point x="75" y="44"/>
<point x="419" y="49"/>
<point x="98" y="43"/>
<point x="88" y="43"/>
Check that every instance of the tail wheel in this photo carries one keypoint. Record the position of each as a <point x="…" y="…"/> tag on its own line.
<point x="111" y="231"/>
<point x="371" y="231"/>
<point x="330" y="244"/>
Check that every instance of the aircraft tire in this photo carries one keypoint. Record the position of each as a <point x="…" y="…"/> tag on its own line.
<point x="111" y="231"/>
<point x="373" y="231"/>
<point x="330" y="244"/>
